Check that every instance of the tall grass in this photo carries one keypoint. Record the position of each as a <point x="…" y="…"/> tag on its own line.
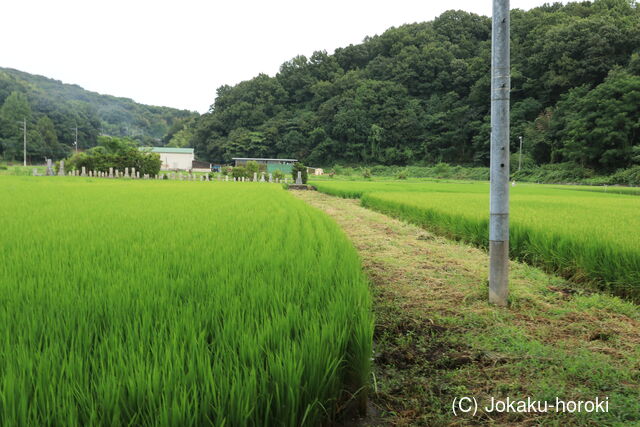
<point x="588" y="237"/>
<point x="175" y="303"/>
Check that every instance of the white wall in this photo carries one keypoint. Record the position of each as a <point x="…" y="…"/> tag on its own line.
<point x="180" y="161"/>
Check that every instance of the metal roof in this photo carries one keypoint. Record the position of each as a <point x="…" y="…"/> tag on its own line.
<point x="257" y="158"/>
<point x="169" y="150"/>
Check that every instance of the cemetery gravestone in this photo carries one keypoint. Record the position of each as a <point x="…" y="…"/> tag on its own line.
<point x="49" y="171"/>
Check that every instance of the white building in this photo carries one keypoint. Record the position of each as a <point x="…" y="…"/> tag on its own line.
<point x="174" y="158"/>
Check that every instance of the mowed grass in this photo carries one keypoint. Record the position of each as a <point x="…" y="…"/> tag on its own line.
<point x="175" y="303"/>
<point x="590" y="237"/>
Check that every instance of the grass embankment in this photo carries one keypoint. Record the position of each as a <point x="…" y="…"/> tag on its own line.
<point x="436" y="337"/>
<point x="175" y="303"/>
<point x="588" y="237"/>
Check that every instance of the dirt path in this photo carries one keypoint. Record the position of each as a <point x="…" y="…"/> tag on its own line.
<point x="436" y="337"/>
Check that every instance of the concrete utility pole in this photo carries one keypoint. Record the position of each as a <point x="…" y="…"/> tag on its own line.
<point x="520" y="156"/>
<point x="24" y="146"/>
<point x="499" y="193"/>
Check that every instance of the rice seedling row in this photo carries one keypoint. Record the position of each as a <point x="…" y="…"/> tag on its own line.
<point x="589" y="236"/>
<point x="175" y="303"/>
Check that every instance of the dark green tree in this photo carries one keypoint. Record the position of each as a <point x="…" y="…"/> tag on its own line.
<point x="14" y="110"/>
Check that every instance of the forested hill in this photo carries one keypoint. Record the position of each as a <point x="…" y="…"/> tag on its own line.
<point x="53" y="110"/>
<point x="419" y="94"/>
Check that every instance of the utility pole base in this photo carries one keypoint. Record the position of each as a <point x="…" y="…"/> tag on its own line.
<point x="499" y="273"/>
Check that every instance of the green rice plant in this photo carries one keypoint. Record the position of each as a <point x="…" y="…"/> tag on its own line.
<point x="355" y="189"/>
<point x="612" y="189"/>
<point x="175" y="303"/>
<point x="588" y="237"/>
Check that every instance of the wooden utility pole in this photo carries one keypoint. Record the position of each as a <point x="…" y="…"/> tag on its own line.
<point x="499" y="189"/>
<point x="24" y="146"/>
<point x="520" y="156"/>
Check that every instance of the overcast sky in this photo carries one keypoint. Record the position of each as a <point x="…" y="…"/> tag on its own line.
<point x="176" y="53"/>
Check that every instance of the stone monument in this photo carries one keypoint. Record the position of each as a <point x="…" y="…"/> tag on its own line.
<point x="49" y="171"/>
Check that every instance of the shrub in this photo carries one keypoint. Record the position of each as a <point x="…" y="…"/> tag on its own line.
<point x="442" y="170"/>
<point x="629" y="176"/>
<point x="555" y="173"/>
<point x="366" y="173"/>
<point x="252" y="167"/>
<point x="117" y="153"/>
<point x="240" y="172"/>
<point x="343" y="170"/>
<point x="303" y="169"/>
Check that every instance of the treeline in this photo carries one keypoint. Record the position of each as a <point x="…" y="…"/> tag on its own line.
<point x="419" y="94"/>
<point x="53" y="110"/>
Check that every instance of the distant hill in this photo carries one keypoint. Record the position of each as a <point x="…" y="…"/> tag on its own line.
<point x="419" y="94"/>
<point x="68" y="106"/>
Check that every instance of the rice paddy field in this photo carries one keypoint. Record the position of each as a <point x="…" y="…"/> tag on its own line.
<point x="176" y="303"/>
<point x="590" y="237"/>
